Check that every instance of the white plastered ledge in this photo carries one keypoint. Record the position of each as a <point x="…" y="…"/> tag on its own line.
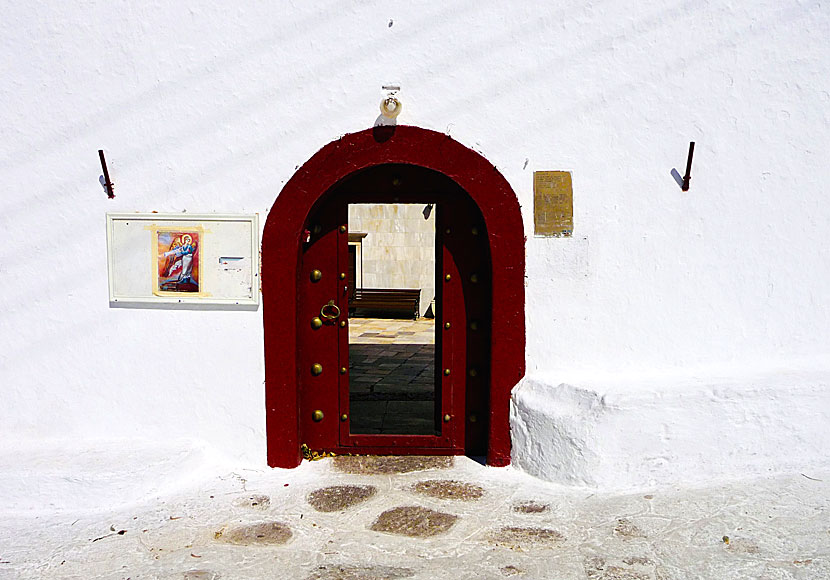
<point x="98" y="475"/>
<point x="613" y="433"/>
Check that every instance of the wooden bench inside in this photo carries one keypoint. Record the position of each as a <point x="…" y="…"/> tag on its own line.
<point x="387" y="299"/>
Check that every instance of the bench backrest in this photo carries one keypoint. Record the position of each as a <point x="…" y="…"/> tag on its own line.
<point x="380" y="292"/>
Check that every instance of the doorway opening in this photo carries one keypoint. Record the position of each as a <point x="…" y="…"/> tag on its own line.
<point x="392" y="382"/>
<point x="350" y="367"/>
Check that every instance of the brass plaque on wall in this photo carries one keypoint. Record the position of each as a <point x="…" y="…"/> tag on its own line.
<point x="553" y="203"/>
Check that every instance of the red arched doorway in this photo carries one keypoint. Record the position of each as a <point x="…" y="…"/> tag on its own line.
<point x="478" y="193"/>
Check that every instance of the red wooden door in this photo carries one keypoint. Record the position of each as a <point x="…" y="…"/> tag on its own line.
<point x="392" y="162"/>
<point x="462" y="315"/>
<point x="321" y="309"/>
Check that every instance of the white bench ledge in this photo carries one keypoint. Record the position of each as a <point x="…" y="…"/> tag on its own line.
<point x="620" y="433"/>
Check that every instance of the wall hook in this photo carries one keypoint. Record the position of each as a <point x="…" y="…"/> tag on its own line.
<point x="688" y="176"/>
<point x="105" y="179"/>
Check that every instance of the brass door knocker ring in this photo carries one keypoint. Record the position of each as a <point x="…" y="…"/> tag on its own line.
<point x="330" y="311"/>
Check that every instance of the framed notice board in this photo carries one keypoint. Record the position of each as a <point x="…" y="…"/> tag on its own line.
<point x="183" y="259"/>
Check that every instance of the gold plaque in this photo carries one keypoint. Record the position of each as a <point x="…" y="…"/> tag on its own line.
<point x="553" y="203"/>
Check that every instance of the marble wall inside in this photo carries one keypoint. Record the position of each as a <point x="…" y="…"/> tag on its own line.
<point x="398" y="250"/>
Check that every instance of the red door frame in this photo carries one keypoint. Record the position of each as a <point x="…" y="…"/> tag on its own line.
<point x="329" y="344"/>
<point x="281" y="247"/>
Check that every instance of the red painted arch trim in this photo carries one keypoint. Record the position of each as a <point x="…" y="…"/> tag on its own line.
<point x="280" y="252"/>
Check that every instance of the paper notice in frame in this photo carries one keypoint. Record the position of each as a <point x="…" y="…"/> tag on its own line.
<point x="553" y="204"/>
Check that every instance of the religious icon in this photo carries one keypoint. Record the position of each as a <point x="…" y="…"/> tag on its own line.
<point x="178" y="261"/>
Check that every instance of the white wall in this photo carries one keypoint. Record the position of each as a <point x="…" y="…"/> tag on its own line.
<point x="205" y="109"/>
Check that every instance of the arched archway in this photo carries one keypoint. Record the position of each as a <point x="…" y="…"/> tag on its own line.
<point x="281" y="252"/>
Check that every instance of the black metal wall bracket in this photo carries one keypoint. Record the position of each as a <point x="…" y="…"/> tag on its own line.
<point x="688" y="176"/>
<point x="105" y="179"/>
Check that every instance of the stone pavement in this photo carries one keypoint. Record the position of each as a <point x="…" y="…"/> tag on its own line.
<point x="391" y="330"/>
<point x="392" y="376"/>
<point x="431" y="518"/>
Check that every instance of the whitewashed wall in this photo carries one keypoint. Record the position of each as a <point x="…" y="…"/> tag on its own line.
<point x="203" y="108"/>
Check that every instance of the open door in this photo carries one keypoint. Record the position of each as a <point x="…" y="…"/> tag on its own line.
<point x="311" y="266"/>
<point x="375" y="375"/>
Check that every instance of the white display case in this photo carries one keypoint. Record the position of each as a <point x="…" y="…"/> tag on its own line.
<point x="183" y="259"/>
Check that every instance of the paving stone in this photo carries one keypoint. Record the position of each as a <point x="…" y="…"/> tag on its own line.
<point x="340" y="497"/>
<point x="596" y="568"/>
<point x="384" y="464"/>
<point x="637" y="561"/>
<point x="255" y="501"/>
<point x="403" y="391"/>
<point x="419" y="409"/>
<point x="626" y="530"/>
<point x="367" y="414"/>
<point x="448" y="489"/>
<point x="263" y="533"/>
<point x="402" y="422"/>
<point x="360" y="573"/>
<point x="531" y="507"/>
<point x="518" y="538"/>
<point x="618" y="573"/>
<point x="413" y="521"/>
<point x="742" y="546"/>
<point x="201" y="575"/>
<point x="412" y="367"/>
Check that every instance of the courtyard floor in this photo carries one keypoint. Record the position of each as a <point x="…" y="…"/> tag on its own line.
<point x="420" y="518"/>
<point x="392" y="376"/>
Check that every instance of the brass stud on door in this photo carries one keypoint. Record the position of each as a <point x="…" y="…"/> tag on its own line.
<point x="473" y="372"/>
<point x="342" y="275"/>
<point x="342" y="323"/>
<point x="342" y="229"/>
<point x="447" y="418"/>
<point x="317" y="416"/>
<point x="447" y="325"/>
<point x="316" y="323"/>
<point x="316" y="369"/>
<point x="474" y="231"/>
<point x="474" y="325"/>
<point x="447" y="277"/>
<point x="343" y="370"/>
<point x="446" y="372"/>
<point x="344" y="417"/>
<point x="316" y="275"/>
<point x="474" y="278"/>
